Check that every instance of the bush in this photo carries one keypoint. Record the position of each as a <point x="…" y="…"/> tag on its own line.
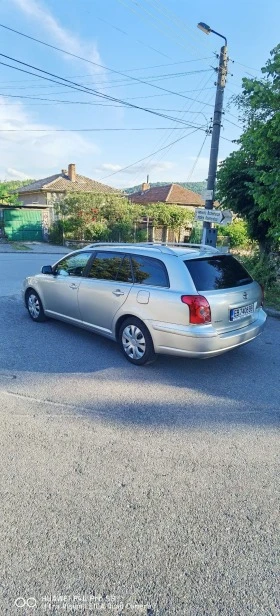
<point x="56" y="233"/>
<point x="262" y="268"/>
<point x="237" y="232"/>
<point x="196" y="234"/>
<point x="96" y="232"/>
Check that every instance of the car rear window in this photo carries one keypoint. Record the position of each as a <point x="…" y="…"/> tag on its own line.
<point x="149" y="271"/>
<point x="217" y="272"/>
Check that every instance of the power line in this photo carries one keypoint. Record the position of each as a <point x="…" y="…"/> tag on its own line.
<point x="120" y="82"/>
<point x="67" y="102"/>
<point x="86" y="90"/>
<point x="246" y="66"/>
<point x="171" y="16"/>
<point x="80" y="88"/>
<point x="128" y="98"/>
<point x="185" y="111"/>
<point x="233" y="123"/>
<point x="127" y="34"/>
<point x="81" y="85"/>
<point x="154" y="23"/>
<point x="197" y="158"/>
<point x="88" y="130"/>
<point x="129" y="70"/>
<point x="75" y="56"/>
<point x="145" y="157"/>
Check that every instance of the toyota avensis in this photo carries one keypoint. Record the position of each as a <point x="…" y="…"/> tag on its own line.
<point x="180" y="299"/>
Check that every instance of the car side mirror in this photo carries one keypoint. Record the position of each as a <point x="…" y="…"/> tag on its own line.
<point x="47" y="269"/>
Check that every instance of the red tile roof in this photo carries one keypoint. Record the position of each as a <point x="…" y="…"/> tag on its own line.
<point x="171" y="193"/>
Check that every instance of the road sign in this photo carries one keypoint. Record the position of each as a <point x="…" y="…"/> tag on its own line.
<point x="227" y="217"/>
<point x="220" y="217"/>
<point x="208" y="195"/>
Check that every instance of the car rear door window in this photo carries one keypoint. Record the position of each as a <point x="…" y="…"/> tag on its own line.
<point x="149" y="271"/>
<point x="106" y="266"/>
<point x="217" y="272"/>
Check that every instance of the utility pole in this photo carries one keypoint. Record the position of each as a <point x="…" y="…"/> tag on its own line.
<point x="209" y="235"/>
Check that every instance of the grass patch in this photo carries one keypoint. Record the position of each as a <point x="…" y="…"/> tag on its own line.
<point x="19" y="246"/>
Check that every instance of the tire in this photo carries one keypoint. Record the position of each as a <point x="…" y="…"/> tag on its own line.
<point x="136" y="342"/>
<point x="34" y="306"/>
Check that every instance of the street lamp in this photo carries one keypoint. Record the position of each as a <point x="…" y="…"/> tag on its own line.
<point x="206" y="29"/>
<point x="209" y="235"/>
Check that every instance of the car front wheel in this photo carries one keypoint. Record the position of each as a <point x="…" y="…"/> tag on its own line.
<point x="136" y="342"/>
<point x="34" y="306"/>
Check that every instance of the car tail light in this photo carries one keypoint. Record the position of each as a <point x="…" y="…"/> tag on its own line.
<point x="200" y="311"/>
<point x="262" y="288"/>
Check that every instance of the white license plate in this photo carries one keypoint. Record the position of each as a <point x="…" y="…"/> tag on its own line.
<point x="243" y="311"/>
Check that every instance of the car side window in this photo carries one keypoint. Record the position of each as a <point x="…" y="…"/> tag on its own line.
<point x="74" y="265"/>
<point x="124" y="273"/>
<point x="106" y="266"/>
<point x="149" y="271"/>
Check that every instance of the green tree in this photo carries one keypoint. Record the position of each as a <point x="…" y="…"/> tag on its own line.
<point x="249" y="179"/>
<point x="86" y="216"/>
<point x="172" y="216"/>
<point x="97" y="217"/>
<point x="6" y="198"/>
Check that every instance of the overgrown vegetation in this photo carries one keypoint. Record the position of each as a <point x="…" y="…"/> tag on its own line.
<point x="90" y="217"/>
<point x="265" y="269"/>
<point x="237" y="232"/>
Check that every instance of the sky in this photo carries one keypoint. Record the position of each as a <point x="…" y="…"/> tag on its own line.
<point x="44" y="125"/>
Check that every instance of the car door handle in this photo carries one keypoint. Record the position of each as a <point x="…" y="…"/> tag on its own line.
<point x="73" y="286"/>
<point x="118" y="292"/>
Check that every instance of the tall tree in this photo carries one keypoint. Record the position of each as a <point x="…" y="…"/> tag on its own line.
<point x="249" y="179"/>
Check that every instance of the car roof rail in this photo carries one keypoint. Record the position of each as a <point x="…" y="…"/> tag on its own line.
<point x="165" y="247"/>
<point x="169" y="245"/>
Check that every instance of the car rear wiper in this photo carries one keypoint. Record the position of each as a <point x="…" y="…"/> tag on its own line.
<point x="244" y="280"/>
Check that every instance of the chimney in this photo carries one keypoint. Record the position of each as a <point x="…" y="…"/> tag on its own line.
<point x="72" y="172"/>
<point x="145" y="186"/>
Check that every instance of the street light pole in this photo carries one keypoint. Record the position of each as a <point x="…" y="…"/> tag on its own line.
<point x="209" y="235"/>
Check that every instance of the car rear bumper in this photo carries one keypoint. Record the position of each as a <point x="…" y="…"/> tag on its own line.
<point x="202" y="341"/>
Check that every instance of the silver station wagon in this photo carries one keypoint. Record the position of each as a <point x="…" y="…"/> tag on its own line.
<point x="178" y="299"/>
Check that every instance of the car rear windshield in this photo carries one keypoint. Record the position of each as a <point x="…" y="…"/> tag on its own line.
<point x="217" y="272"/>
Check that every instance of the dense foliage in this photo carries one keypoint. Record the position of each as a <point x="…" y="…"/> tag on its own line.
<point x="86" y="216"/>
<point x="6" y="187"/>
<point x="237" y="232"/>
<point x="249" y="179"/>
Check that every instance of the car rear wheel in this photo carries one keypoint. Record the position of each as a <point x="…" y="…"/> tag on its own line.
<point x="136" y="342"/>
<point x="34" y="307"/>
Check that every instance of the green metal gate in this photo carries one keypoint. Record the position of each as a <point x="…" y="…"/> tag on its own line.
<point x="23" y="225"/>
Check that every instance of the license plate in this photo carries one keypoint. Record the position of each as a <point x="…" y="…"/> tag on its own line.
<point x="243" y="311"/>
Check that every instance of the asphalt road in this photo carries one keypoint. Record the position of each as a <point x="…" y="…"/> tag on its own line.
<point x="128" y="490"/>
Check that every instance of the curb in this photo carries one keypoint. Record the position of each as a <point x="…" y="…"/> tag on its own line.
<point x="271" y="312"/>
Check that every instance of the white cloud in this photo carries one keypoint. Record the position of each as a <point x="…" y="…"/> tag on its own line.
<point x="14" y="174"/>
<point x="156" y="167"/>
<point x="33" y="154"/>
<point x="40" y="14"/>
<point x="108" y="167"/>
